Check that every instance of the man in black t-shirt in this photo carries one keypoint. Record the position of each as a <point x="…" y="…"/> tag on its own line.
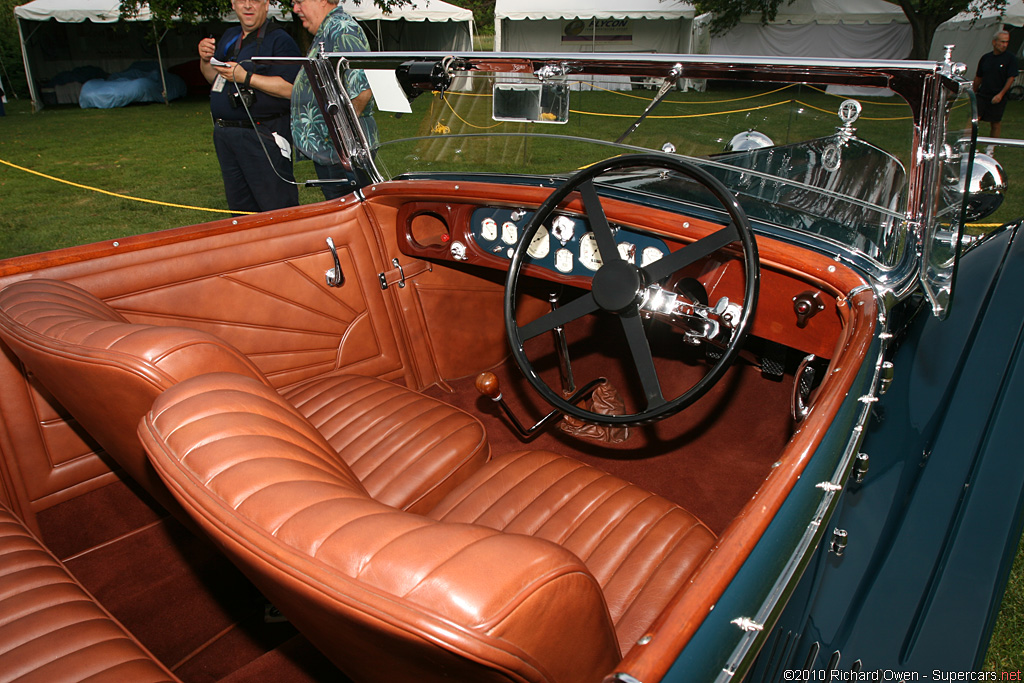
<point x="996" y="72"/>
<point x="250" y="103"/>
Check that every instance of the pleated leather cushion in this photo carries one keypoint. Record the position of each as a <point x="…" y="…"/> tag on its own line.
<point x="386" y="594"/>
<point x="408" y="450"/>
<point x="640" y="547"/>
<point x="51" y="629"/>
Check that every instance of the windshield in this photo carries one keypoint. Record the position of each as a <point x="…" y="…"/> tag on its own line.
<point x="827" y="158"/>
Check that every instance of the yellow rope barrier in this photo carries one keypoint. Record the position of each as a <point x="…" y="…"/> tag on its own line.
<point x="452" y="109"/>
<point x="115" y="194"/>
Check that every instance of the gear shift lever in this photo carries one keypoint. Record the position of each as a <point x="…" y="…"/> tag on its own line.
<point x="488" y="385"/>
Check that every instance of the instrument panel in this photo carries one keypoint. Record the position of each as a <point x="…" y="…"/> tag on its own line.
<point x="566" y="245"/>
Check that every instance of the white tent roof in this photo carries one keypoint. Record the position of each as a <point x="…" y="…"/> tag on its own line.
<point x="835" y="12"/>
<point x="1013" y="14"/>
<point x="75" y="11"/>
<point x="106" y="11"/>
<point x="589" y="9"/>
<point x="421" y="10"/>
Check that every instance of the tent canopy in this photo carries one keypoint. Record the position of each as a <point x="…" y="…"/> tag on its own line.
<point x="76" y="33"/>
<point x="107" y="11"/>
<point x="75" y="11"/>
<point x="839" y="29"/>
<point x="590" y="9"/>
<point x="835" y="12"/>
<point x="593" y="25"/>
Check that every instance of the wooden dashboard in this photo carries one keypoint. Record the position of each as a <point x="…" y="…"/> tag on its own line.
<point x="479" y="225"/>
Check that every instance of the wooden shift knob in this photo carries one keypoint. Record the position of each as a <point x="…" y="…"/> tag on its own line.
<point x="487" y="384"/>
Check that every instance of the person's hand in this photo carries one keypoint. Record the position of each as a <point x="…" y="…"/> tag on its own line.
<point x="207" y="46"/>
<point x="997" y="98"/>
<point x="232" y="72"/>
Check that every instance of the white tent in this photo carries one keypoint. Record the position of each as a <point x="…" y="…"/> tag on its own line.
<point x="59" y="35"/>
<point x="863" y="29"/>
<point x="971" y="36"/>
<point x="593" y="26"/>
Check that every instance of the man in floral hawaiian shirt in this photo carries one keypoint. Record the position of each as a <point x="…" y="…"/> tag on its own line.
<point x="338" y="32"/>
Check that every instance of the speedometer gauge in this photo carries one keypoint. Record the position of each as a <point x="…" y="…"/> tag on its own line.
<point x="539" y="245"/>
<point x="590" y="256"/>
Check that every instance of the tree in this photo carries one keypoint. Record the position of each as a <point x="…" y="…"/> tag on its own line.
<point x="924" y="16"/>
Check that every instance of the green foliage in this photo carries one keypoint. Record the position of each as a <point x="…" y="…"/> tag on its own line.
<point x="483" y="14"/>
<point x="727" y="13"/>
<point x="12" y="72"/>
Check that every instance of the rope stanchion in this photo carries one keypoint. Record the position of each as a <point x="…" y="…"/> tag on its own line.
<point x="120" y="196"/>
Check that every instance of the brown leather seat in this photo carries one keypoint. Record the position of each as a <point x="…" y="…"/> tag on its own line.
<point x="107" y="371"/>
<point x="536" y="568"/>
<point x="51" y="629"/>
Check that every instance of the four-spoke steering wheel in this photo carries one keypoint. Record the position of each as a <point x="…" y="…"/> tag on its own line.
<point x="619" y="288"/>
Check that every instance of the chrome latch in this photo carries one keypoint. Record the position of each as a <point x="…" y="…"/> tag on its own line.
<point x="400" y="274"/>
<point x="838" y="545"/>
<point x="335" y="278"/>
<point x="384" y="284"/>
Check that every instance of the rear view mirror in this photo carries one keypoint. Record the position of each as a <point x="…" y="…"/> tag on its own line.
<point x="532" y="102"/>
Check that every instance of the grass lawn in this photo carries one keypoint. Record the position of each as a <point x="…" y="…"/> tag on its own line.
<point x="165" y="154"/>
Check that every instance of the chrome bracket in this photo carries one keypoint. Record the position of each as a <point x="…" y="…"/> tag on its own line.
<point x="747" y="624"/>
<point x="384" y="284"/>
<point x="838" y="544"/>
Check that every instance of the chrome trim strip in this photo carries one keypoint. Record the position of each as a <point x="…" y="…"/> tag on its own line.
<point x="767" y="614"/>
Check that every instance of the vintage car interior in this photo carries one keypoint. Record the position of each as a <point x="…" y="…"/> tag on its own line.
<point x="202" y="431"/>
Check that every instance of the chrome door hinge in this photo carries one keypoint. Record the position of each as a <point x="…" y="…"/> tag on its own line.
<point x="838" y="545"/>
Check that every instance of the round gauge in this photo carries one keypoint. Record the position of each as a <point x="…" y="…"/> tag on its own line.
<point x="649" y="255"/>
<point x="627" y="252"/>
<point x="563" y="260"/>
<point x="563" y="227"/>
<point x="489" y="229"/>
<point x="509" y="232"/>
<point x="539" y="245"/>
<point x="590" y="256"/>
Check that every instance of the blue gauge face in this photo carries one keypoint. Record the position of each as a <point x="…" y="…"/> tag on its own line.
<point x="566" y="245"/>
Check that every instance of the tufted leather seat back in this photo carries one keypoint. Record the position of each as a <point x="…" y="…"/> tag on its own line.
<point x="386" y="594"/>
<point x="408" y="449"/>
<point x="103" y="369"/>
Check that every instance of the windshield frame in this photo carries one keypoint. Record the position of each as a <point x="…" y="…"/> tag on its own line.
<point x="925" y="87"/>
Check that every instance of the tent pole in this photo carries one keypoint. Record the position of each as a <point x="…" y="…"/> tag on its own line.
<point x="36" y="102"/>
<point x="160" y="62"/>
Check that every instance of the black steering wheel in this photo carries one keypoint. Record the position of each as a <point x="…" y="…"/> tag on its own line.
<point x="620" y="288"/>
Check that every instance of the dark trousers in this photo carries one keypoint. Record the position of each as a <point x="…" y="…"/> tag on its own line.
<point x="345" y="181"/>
<point x="257" y="177"/>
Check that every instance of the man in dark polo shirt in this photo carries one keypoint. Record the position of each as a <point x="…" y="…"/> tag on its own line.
<point x="996" y="73"/>
<point x="250" y="103"/>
